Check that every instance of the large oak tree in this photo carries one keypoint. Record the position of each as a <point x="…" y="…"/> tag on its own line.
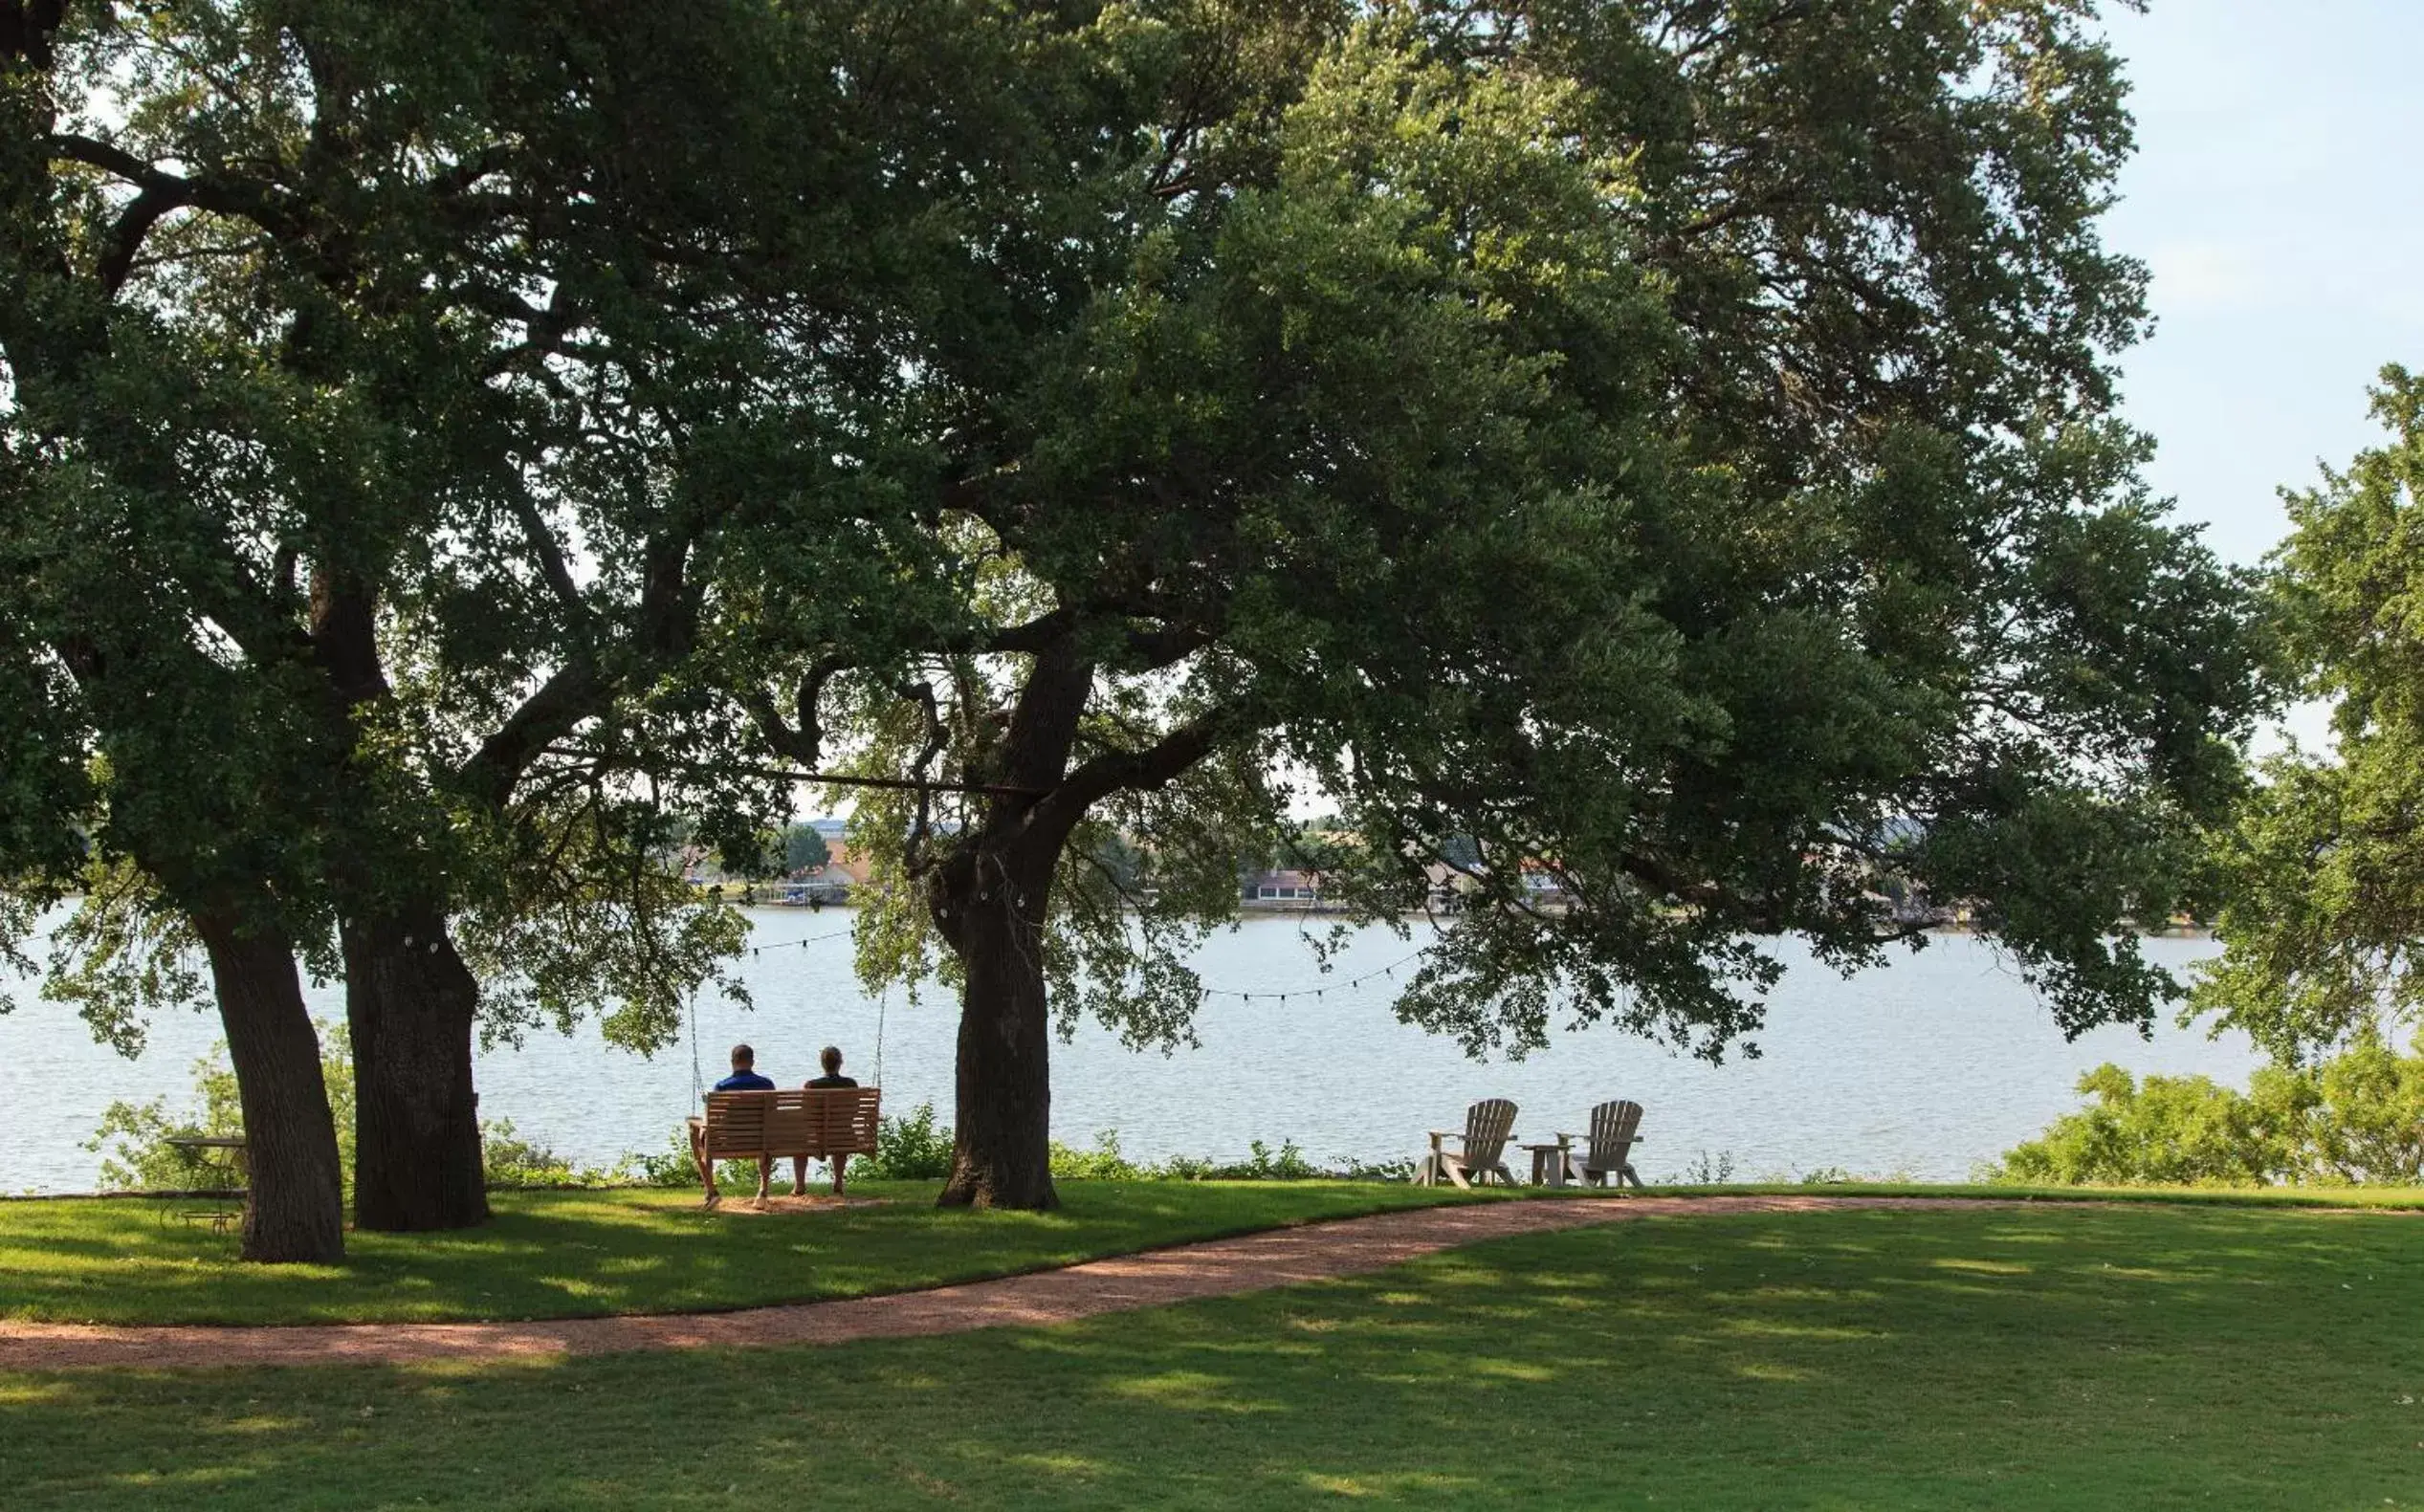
<point x="378" y="374"/>
<point x="1669" y="446"/>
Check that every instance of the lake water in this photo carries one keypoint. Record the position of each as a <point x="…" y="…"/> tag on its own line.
<point x="1932" y="1064"/>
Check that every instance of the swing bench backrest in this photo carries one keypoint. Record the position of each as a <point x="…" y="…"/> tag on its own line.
<point x="817" y="1123"/>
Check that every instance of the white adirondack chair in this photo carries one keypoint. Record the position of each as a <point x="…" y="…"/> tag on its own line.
<point x="1609" y="1146"/>
<point x="1487" y="1126"/>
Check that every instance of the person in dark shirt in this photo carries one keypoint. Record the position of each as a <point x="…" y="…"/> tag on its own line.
<point x="830" y="1057"/>
<point x="744" y="1078"/>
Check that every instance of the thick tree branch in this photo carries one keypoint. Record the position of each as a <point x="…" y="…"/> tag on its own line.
<point x="1159" y="650"/>
<point x="160" y="194"/>
<point x="561" y="702"/>
<point x="207" y="193"/>
<point x="1028" y="639"/>
<point x="801" y="739"/>
<point x="126" y="240"/>
<point x="1156" y="766"/>
<point x="781" y="774"/>
<point x="549" y="552"/>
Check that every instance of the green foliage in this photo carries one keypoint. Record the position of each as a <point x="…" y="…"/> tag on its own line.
<point x="911" y="1148"/>
<point x="673" y="1166"/>
<point x="2324" y="861"/>
<point x="1665" y="451"/>
<point x="1288" y="1163"/>
<point x="133" y="1137"/>
<point x="631" y="948"/>
<point x="1671" y="455"/>
<point x="330" y="345"/>
<point x="916" y="1147"/>
<point x="1106" y="1162"/>
<point x="2355" y="1118"/>
<point x="2173" y="1130"/>
<point x="122" y="954"/>
<point x="1103" y="1163"/>
<point x="138" y="1158"/>
<point x="1704" y="1170"/>
<point x="803" y="849"/>
<point x="512" y="1161"/>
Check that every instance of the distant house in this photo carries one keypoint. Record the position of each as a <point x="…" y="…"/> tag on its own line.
<point x="823" y="887"/>
<point x="1299" y="887"/>
<point x="1541" y="884"/>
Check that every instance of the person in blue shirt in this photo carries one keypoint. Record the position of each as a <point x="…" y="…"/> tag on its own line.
<point x="744" y="1078"/>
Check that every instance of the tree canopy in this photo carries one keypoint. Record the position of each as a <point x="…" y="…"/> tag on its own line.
<point x="1666" y="446"/>
<point x="375" y="374"/>
<point x="2323" y="864"/>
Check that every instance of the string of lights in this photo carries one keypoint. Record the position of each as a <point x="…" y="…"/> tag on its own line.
<point x="784" y="945"/>
<point x="1349" y="985"/>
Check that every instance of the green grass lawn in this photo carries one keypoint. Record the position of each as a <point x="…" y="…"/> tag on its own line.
<point x="579" y="1254"/>
<point x="2123" y="1356"/>
<point x="572" y="1253"/>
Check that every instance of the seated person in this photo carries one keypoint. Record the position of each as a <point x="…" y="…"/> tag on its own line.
<point x="830" y="1057"/>
<point x="744" y="1078"/>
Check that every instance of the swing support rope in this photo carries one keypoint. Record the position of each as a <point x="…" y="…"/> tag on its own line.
<point x="697" y="1078"/>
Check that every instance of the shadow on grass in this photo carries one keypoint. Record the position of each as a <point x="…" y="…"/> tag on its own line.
<point x="555" y="1255"/>
<point x="2127" y="1357"/>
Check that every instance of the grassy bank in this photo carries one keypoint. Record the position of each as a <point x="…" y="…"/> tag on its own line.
<point x="637" y="1250"/>
<point x="575" y="1254"/>
<point x="2125" y="1356"/>
<point x="2385" y="1199"/>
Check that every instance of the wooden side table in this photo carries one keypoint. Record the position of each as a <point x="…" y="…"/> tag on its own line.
<point x="1548" y="1164"/>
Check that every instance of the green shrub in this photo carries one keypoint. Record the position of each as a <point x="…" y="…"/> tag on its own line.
<point x="137" y="1155"/>
<point x="1288" y="1164"/>
<point x="2357" y="1118"/>
<point x="143" y="1160"/>
<point x="1706" y="1170"/>
<point x="1102" y="1163"/>
<point x="1106" y="1162"/>
<point x="512" y="1161"/>
<point x="1399" y="1168"/>
<point x="909" y="1148"/>
<point x="673" y="1167"/>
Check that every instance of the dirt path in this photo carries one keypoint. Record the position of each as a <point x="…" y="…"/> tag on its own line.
<point x="1214" y="1268"/>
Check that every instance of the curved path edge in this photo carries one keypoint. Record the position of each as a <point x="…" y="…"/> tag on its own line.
<point x="1211" y="1268"/>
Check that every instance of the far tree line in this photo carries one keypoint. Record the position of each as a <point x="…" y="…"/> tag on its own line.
<point x="445" y="450"/>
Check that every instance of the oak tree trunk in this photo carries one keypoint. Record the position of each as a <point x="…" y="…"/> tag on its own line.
<point x="409" y="1000"/>
<point x="410" y="1003"/>
<point x="294" y="1207"/>
<point x="1002" y="1120"/>
<point x="989" y="900"/>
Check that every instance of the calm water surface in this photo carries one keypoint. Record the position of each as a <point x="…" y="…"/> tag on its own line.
<point x="1932" y="1064"/>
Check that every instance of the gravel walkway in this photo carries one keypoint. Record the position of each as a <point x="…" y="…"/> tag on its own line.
<point x="1214" y="1268"/>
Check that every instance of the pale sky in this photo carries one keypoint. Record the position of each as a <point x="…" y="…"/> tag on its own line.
<point x="2278" y="200"/>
